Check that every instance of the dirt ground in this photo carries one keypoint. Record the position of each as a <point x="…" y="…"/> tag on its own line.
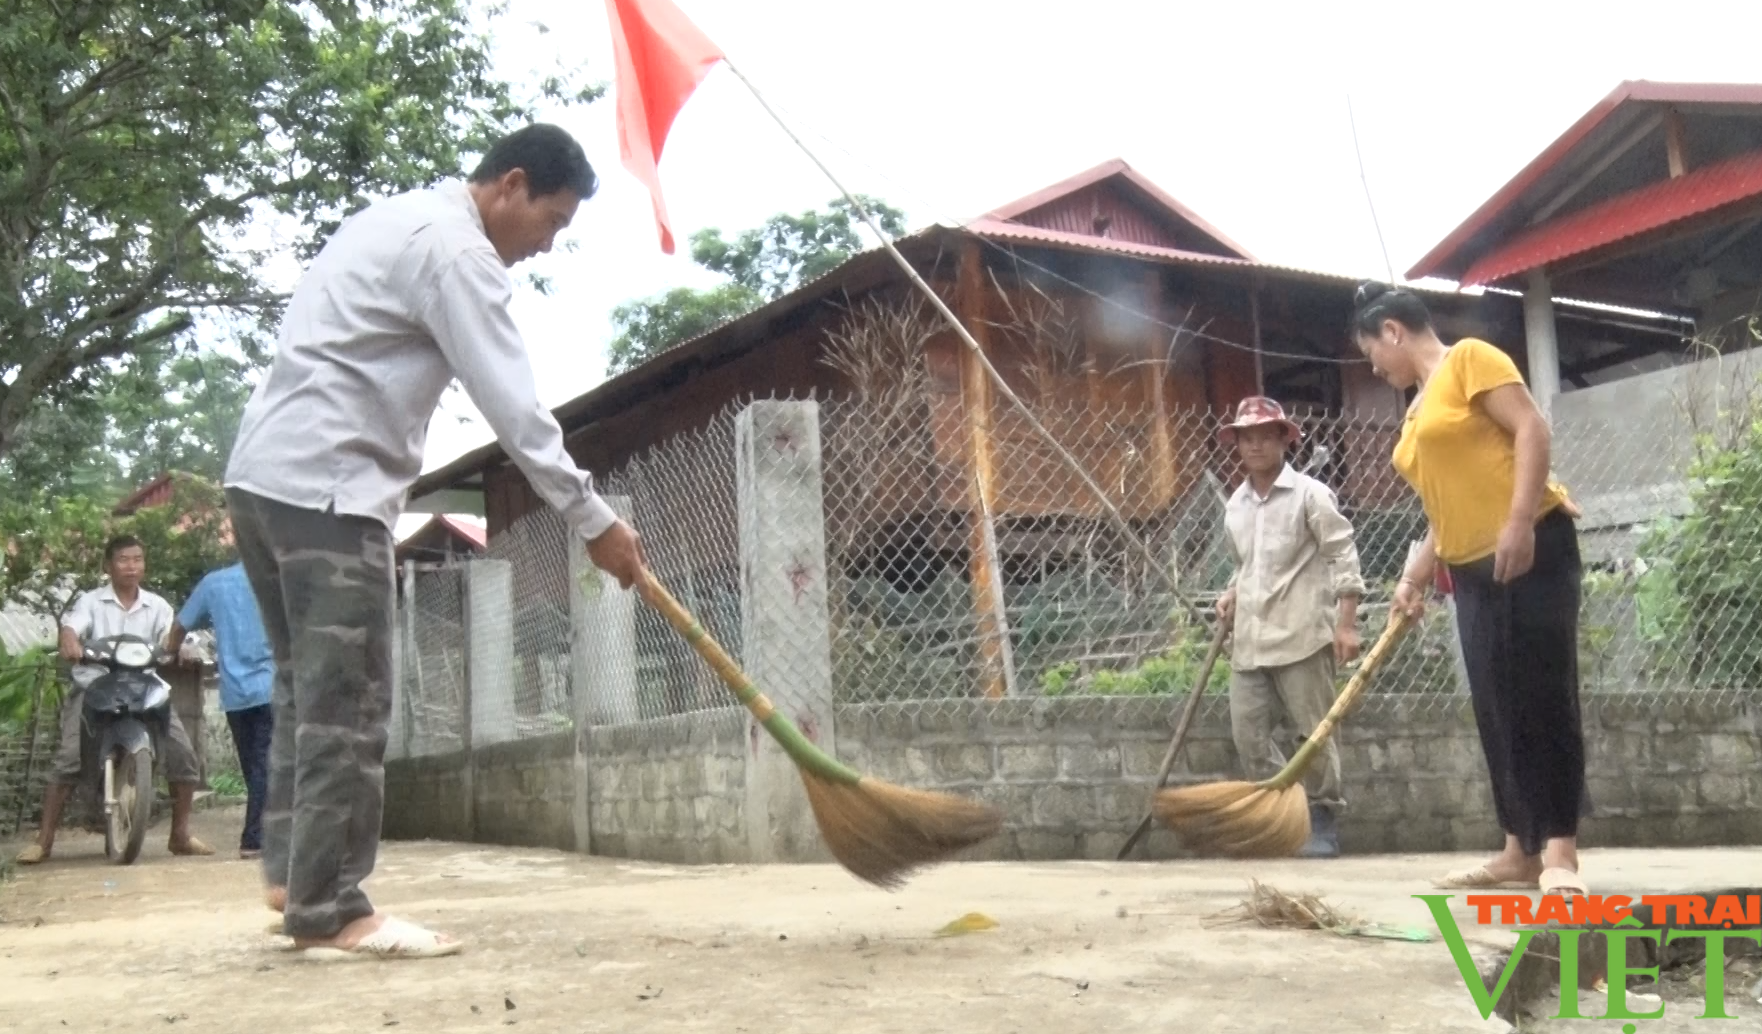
<point x="559" y="942"/>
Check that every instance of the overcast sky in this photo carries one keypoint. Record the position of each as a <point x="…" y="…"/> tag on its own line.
<point x="950" y="108"/>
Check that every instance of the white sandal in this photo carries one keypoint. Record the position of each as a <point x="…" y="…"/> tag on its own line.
<point x="1563" y="883"/>
<point x="1479" y="878"/>
<point x="395" y="939"/>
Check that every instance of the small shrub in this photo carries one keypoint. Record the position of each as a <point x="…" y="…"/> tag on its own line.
<point x="1701" y="593"/>
<point x="1171" y="672"/>
<point x="227" y="784"/>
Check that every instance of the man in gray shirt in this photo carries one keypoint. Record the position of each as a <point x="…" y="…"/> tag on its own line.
<point x="405" y="296"/>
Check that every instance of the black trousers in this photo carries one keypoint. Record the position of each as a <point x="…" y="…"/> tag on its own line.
<point x="1520" y="642"/>
<point x="251" y="731"/>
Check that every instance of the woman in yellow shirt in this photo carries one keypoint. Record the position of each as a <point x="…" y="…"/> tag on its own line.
<point x="1475" y="447"/>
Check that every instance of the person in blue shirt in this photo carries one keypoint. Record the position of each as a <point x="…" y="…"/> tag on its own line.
<point x="223" y="601"/>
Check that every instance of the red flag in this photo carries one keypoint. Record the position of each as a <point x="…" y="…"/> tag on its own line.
<point x="661" y="57"/>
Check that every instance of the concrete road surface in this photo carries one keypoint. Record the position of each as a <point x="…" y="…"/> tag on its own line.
<point x="565" y="943"/>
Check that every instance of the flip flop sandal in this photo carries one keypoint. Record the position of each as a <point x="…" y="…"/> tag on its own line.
<point x="396" y="939"/>
<point x="1563" y="882"/>
<point x="1479" y="878"/>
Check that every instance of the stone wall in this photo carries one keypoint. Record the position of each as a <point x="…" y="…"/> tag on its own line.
<point x="524" y="792"/>
<point x="672" y="789"/>
<point x="429" y="798"/>
<point x="669" y="790"/>
<point x="1073" y="775"/>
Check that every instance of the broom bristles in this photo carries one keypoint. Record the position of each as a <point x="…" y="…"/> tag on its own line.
<point x="882" y="833"/>
<point x="1240" y="820"/>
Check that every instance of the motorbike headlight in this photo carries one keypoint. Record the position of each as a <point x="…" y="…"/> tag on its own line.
<point x="134" y="655"/>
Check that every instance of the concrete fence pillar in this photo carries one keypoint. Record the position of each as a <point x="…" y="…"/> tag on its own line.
<point x="602" y="664"/>
<point x="602" y="619"/>
<point x="786" y="640"/>
<point x="490" y="624"/>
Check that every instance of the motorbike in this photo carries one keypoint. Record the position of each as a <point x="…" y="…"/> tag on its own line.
<point x="125" y="715"/>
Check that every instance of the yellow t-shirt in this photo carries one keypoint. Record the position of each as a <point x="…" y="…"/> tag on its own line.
<point x="1459" y="460"/>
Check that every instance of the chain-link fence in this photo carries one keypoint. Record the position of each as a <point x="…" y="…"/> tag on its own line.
<point x="430" y="710"/>
<point x="964" y="558"/>
<point x="971" y="559"/>
<point x="500" y="647"/>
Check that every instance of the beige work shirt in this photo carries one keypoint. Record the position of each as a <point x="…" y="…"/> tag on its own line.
<point x="1294" y="559"/>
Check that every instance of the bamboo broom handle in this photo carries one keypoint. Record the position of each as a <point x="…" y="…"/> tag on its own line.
<point x="797" y="746"/>
<point x="1181" y="729"/>
<point x="1355" y="686"/>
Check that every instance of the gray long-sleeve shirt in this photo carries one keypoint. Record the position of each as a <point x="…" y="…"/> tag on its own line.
<point x="405" y="296"/>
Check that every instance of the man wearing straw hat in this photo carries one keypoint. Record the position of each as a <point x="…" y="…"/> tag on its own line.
<point x="1292" y="605"/>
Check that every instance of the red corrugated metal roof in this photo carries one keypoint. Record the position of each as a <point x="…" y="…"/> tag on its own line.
<point x="156" y="492"/>
<point x="1115" y="168"/>
<point x="1639" y="91"/>
<point x="466" y="530"/>
<point x="1001" y="231"/>
<point x="1621" y="218"/>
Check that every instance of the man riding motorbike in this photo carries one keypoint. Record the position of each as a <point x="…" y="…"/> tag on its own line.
<point x="121" y="607"/>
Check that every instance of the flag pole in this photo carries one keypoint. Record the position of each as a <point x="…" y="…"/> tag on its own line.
<point x="973" y="346"/>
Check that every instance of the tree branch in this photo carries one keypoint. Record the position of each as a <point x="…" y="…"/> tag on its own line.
<point x="139" y="301"/>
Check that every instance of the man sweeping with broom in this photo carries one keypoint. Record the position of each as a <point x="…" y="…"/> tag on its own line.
<point x="1292" y="605"/>
<point x="406" y="295"/>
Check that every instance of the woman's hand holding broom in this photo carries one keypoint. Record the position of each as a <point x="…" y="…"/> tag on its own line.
<point x="1416" y="575"/>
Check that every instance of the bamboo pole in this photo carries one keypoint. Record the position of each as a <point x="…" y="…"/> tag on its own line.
<point x="985" y="576"/>
<point x="1155" y="371"/>
<point x="1188" y="713"/>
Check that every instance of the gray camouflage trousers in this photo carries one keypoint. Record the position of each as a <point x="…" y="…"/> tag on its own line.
<point x="325" y="585"/>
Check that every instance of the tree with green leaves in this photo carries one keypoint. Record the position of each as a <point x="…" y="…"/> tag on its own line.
<point x="650" y="326"/>
<point x="761" y="264"/>
<point x="182" y="419"/>
<point x="56" y="545"/>
<point x="146" y="145"/>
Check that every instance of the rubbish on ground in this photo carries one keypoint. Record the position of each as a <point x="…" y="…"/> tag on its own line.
<point x="1274" y="909"/>
<point x="972" y="922"/>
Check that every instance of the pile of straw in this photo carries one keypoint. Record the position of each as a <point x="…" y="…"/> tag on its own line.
<point x="1273" y="909"/>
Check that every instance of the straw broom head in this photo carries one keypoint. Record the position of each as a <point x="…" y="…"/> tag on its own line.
<point x="1267" y="819"/>
<point x="1242" y="820"/>
<point x="882" y="833"/>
